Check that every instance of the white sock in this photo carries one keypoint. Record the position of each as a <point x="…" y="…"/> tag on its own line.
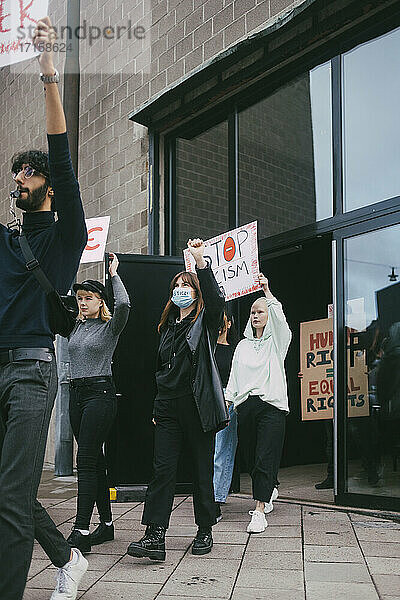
<point x="108" y="523"/>
<point x="83" y="531"/>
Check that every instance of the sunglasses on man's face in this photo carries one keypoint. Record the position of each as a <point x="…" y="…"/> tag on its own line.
<point x="27" y="172"/>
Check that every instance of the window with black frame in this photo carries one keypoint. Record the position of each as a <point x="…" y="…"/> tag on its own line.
<point x="285" y="155"/>
<point x="201" y="185"/>
<point x="371" y="121"/>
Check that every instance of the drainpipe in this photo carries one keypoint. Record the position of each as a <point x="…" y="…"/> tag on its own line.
<point x="63" y="433"/>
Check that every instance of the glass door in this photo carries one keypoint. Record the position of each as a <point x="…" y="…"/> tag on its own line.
<point x="368" y="364"/>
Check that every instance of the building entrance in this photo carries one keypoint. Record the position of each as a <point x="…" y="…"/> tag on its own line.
<point x="301" y="278"/>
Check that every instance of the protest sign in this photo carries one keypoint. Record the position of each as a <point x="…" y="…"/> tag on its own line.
<point x="97" y="229"/>
<point x="234" y="260"/>
<point x="316" y="365"/>
<point x="18" y="20"/>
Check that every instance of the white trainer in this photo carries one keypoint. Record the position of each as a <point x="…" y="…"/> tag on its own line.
<point x="258" y="522"/>
<point x="68" y="578"/>
<point x="268" y="506"/>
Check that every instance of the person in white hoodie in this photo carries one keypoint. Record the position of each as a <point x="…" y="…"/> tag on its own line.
<point x="257" y="387"/>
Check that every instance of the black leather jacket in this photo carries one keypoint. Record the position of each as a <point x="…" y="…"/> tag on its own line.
<point x="202" y="340"/>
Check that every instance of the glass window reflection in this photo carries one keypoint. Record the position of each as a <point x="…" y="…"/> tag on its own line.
<point x="285" y="155"/>
<point x="202" y="185"/>
<point x="372" y="301"/>
<point x="371" y="122"/>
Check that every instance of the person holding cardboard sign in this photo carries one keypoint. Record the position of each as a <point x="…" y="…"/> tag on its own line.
<point x="93" y="402"/>
<point x="257" y="388"/>
<point x="46" y="184"/>
<point x="189" y="405"/>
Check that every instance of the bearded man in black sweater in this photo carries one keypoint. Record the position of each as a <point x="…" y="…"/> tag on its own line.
<point x="28" y="375"/>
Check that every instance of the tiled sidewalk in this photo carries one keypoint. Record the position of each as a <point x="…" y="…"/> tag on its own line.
<point x="304" y="554"/>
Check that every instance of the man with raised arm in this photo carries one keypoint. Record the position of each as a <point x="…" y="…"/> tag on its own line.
<point x="28" y="377"/>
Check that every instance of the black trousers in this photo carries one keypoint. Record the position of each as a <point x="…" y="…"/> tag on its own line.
<point x="92" y="410"/>
<point x="27" y="392"/>
<point x="261" y="436"/>
<point x="178" y="422"/>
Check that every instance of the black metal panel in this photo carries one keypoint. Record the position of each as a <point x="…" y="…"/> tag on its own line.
<point x="130" y="449"/>
<point x="233" y="166"/>
<point x="337" y="135"/>
<point x="153" y="208"/>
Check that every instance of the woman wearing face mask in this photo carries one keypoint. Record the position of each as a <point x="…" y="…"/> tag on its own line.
<point x="257" y="387"/>
<point x="226" y="439"/>
<point x="93" y="406"/>
<point x="189" y="406"/>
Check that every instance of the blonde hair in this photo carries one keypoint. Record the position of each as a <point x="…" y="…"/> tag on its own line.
<point x="104" y="313"/>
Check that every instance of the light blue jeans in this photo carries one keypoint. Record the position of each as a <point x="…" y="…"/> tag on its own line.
<point x="224" y="457"/>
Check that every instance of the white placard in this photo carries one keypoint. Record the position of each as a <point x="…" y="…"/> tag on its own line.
<point x="97" y="229"/>
<point x="234" y="260"/>
<point x="18" y="19"/>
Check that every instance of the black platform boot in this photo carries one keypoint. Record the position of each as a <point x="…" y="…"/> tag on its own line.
<point x="203" y="541"/>
<point x="152" y="544"/>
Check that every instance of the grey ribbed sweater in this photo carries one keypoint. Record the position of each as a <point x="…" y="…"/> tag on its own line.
<point x="92" y="343"/>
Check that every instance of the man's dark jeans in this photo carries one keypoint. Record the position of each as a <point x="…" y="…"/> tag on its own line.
<point x="27" y="392"/>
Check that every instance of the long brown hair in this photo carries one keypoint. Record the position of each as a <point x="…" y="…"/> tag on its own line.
<point x="193" y="281"/>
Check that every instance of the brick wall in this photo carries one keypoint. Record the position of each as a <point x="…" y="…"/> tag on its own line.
<point x="116" y="78"/>
<point x="185" y="33"/>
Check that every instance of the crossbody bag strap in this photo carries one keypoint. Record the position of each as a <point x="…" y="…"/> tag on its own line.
<point x="33" y="266"/>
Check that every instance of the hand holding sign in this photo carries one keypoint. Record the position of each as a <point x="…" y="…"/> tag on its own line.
<point x="43" y="40"/>
<point x="196" y="249"/>
<point x="263" y="281"/>
<point x="113" y="264"/>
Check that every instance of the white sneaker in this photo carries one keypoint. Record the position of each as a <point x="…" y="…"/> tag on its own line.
<point x="269" y="507"/>
<point x="258" y="522"/>
<point x="68" y="578"/>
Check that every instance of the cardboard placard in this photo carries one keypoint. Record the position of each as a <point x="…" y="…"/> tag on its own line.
<point x="97" y="238"/>
<point x="18" y="19"/>
<point x="316" y="364"/>
<point x="234" y="260"/>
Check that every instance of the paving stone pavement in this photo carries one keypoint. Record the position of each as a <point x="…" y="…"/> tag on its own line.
<point x="305" y="554"/>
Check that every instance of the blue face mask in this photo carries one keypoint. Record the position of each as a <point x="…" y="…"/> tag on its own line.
<point x="182" y="297"/>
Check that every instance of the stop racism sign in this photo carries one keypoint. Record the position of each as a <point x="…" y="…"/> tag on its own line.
<point x="234" y="260"/>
